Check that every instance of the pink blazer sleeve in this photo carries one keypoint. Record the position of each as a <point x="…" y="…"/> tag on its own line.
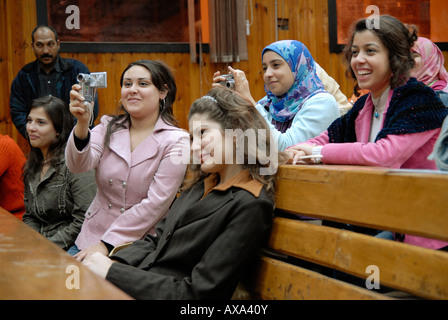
<point x="392" y="151"/>
<point x="320" y="140"/>
<point x="88" y="158"/>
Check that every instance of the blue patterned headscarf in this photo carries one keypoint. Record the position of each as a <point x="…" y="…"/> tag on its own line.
<point x="306" y="83"/>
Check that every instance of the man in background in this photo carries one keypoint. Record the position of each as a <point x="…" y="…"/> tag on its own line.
<point x="49" y="74"/>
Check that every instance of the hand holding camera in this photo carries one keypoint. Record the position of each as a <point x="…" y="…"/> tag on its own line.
<point x="229" y="81"/>
<point x="89" y="83"/>
<point x="236" y="80"/>
<point x="226" y="80"/>
<point x="82" y="97"/>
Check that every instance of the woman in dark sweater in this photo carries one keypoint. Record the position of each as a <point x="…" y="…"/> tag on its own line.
<point x="221" y="219"/>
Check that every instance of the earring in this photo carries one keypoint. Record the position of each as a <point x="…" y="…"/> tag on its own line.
<point x="162" y="104"/>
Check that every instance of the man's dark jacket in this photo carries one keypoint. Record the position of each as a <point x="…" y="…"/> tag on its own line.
<point x="25" y="88"/>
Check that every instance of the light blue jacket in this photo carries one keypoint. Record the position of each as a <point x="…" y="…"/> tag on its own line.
<point x="315" y="116"/>
<point x="440" y="153"/>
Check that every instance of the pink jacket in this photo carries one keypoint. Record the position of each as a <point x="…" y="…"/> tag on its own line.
<point x="395" y="151"/>
<point x="135" y="189"/>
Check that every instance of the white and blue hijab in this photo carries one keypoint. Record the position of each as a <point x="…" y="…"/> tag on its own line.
<point x="306" y="84"/>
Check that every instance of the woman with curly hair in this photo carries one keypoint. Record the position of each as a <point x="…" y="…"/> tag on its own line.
<point x="394" y="126"/>
<point x="397" y="124"/>
<point x="220" y="221"/>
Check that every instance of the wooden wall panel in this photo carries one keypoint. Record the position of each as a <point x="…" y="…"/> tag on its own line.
<point x="4" y="91"/>
<point x="308" y="23"/>
<point x="17" y="20"/>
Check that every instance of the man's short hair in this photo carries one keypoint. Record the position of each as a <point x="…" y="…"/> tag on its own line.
<point x="44" y="26"/>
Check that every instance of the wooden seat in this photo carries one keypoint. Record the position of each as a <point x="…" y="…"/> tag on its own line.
<point x="404" y="201"/>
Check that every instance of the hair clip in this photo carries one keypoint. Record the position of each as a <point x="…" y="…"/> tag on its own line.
<point x="210" y="98"/>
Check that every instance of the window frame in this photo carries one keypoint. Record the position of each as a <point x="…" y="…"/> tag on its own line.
<point x="115" y="47"/>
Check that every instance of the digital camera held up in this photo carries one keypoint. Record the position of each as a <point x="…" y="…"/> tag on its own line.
<point x="229" y="82"/>
<point x="90" y="82"/>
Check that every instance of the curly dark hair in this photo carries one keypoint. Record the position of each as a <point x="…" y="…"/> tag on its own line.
<point x="397" y="38"/>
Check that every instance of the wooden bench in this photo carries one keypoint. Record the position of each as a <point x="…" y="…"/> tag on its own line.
<point x="302" y="256"/>
<point x="31" y="267"/>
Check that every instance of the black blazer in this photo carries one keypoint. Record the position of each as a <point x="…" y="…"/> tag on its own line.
<point x="202" y="249"/>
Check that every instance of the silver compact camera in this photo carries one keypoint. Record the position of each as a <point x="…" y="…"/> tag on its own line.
<point x="229" y="82"/>
<point x="90" y="82"/>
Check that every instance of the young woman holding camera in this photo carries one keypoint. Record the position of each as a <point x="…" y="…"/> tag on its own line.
<point x="296" y="105"/>
<point x="130" y="153"/>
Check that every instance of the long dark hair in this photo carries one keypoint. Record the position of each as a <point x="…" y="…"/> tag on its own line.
<point x="63" y="122"/>
<point x="396" y="38"/>
<point x="163" y="80"/>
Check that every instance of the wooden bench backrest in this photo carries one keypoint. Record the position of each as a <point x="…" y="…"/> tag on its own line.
<point x="404" y="201"/>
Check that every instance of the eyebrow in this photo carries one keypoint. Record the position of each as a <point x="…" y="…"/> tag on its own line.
<point x="40" y="119"/>
<point x="45" y="41"/>
<point x="367" y="45"/>
<point x="138" y="79"/>
<point x="274" y="60"/>
<point x="204" y="127"/>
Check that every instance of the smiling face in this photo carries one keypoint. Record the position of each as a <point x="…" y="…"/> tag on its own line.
<point x="278" y="76"/>
<point x="209" y="145"/>
<point x="370" y="62"/>
<point x="40" y="128"/>
<point x="206" y="142"/>
<point x="140" y="97"/>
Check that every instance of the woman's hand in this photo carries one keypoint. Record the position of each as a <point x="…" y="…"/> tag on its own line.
<point x="241" y="83"/>
<point x="98" y="263"/>
<point x="80" y="109"/>
<point x="300" y="150"/>
<point x="85" y="253"/>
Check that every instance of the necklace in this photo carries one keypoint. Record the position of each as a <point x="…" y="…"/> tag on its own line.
<point x="377" y="105"/>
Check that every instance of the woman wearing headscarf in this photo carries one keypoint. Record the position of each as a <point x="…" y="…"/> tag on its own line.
<point x="429" y="67"/>
<point x="296" y="105"/>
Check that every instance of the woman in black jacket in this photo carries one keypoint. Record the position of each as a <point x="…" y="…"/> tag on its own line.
<point x="222" y="217"/>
